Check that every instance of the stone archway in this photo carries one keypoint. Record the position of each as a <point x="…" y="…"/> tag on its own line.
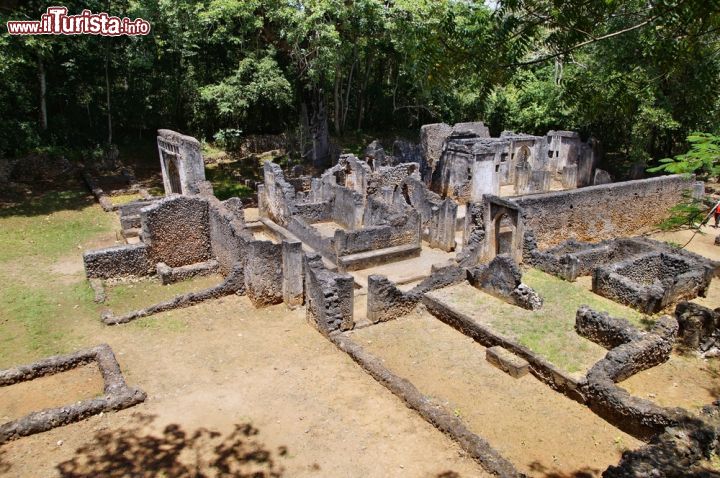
<point x="505" y="230"/>
<point x="174" y="176"/>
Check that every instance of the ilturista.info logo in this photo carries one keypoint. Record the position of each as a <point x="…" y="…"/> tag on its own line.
<point x="57" y="22"/>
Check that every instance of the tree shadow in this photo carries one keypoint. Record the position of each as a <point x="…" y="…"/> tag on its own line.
<point x="131" y="451"/>
<point x="547" y="472"/>
<point x="70" y="196"/>
<point x="4" y="466"/>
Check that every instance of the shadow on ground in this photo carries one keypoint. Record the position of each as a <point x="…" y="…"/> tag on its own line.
<point x="45" y="202"/>
<point x="542" y="470"/>
<point x="132" y="451"/>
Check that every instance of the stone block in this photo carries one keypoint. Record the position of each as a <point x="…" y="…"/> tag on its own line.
<point x="507" y="362"/>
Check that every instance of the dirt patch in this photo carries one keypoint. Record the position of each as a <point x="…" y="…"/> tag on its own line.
<point x="683" y="381"/>
<point x="224" y="363"/>
<point x="327" y="228"/>
<point x="540" y="431"/>
<point x="56" y="390"/>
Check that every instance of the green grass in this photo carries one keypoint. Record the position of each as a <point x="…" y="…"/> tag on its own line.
<point x="38" y="306"/>
<point x="550" y="331"/>
<point x="120" y="199"/>
<point x="224" y="184"/>
<point x="123" y="298"/>
<point x="565" y="297"/>
<point x="52" y="225"/>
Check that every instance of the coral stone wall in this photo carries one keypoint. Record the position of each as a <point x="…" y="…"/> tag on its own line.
<point x="601" y="212"/>
<point x="176" y="230"/>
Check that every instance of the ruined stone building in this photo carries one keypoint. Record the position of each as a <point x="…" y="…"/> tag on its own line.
<point x="458" y="208"/>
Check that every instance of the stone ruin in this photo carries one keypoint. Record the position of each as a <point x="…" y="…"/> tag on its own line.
<point x="311" y="238"/>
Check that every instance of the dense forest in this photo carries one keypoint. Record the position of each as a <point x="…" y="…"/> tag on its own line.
<point x="640" y="75"/>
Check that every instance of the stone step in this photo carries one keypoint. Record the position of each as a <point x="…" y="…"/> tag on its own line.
<point x="363" y="260"/>
<point x="507" y="361"/>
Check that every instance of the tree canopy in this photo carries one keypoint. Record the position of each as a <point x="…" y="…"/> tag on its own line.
<point x="640" y="76"/>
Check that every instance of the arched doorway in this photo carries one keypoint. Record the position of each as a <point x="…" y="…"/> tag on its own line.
<point x="505" y="230"/>
<point x="174" y="177"/>
<point x="524" y="155"/>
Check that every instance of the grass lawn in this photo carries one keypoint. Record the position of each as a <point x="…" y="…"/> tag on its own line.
<point x="46" y="303"/>
<point x="126" y="297"/>
<point x="120" y="199"/>
<point x="550" y="331"/>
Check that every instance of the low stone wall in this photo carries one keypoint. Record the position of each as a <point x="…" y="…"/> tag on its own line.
<point x="603" y="329"/>
<point x="634" y="415"/>
<point x="118" y="261"/>
<point x="328" y="297"/>
<point x="434" y="413"/>
<point x="650" y="282"/>
<point x="573" y="259"/>
<point x="541" y="368"/>
<point x="234" y="283"/>
<point x="602" y="212"/>
<point x="171" y="275"/>
<point x="386" y="302"/>
<point x="324" y="246"/>
<point x="117" y="394"/>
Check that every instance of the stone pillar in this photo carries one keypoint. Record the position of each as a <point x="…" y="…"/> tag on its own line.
<point x="262" y="201"/>
<point x="522" y="178"/>
<point x="484" y="179"/>
<point x="539" y="181"/>
<point x="569" y="176"/>
<point x="442" y="226"/>
<point x="292" y="268"/>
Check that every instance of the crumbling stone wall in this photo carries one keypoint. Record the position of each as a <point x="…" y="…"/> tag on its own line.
<point x="503" y="279"/>
<point x="601" y="212"/>
<point x="277" y="197"/>
<point x="386" y="301"/>
<point x="650" y="282"/>
<point x="633" y="414"/>
<point x="328" y="297"/>
<point x="699" y="326"/>
<point x="264" y="273"/>
<point x="602" y="329"/>
<point x="227" y="233"/>
<point x="181" y="162"/>
<point x="176" y="231"/>
<point x="118" y="261"/>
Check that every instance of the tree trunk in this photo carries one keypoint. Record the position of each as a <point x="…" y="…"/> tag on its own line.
<point x="107" y="92"/>
<point x="318" y="119"/>
<point x="43" y="95"/>
<point x="338" y="102"/>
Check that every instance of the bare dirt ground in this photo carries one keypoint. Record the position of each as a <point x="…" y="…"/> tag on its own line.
<point x="225" y="364"/>
<point x="541" y="431"/>
<point x="683" y="381"/>
<point x="57" y="390"/>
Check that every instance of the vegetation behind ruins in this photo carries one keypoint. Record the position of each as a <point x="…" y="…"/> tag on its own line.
<point x="640" y="76"/>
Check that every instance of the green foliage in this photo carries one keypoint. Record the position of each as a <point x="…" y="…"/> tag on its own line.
<point x="688" y="213"/>
<point x="639" y="77"/>
<point x="703" y="158"/>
